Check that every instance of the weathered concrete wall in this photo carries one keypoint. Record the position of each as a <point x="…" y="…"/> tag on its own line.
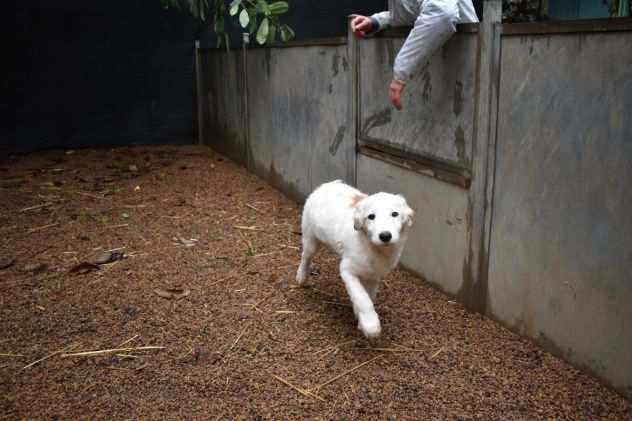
<point x="296" y="130"/>
<point x="561" y="245"/>
<point x="222" y="102"/>
<point x="439" y="103"/>
<point x="299" y="116"/>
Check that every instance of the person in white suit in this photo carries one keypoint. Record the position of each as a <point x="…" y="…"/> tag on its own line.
<point x="434" y="22"/>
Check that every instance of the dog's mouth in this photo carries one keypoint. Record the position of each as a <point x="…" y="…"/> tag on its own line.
<point x="383" y="244"/>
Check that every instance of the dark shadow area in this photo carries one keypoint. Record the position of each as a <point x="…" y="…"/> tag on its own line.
<point x="96" y="74"/>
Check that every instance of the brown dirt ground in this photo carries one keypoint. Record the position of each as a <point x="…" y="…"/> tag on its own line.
<point x="244" y="320"/>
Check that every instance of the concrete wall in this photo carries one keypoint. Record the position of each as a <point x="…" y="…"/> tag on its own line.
<point x="439" y="103"/>
<point x="300" y="123"/>
<point x="561" y="244"/>
<point x="514" y="149"/>
<point x="296" y="130"/>
<point x="221" y="102"/>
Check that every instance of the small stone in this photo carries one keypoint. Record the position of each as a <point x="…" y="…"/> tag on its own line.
<point x="6" y="262"/>
<point x="34" y="267"/>
<point x="108" y="257"/>
<point x="132" y="311"/>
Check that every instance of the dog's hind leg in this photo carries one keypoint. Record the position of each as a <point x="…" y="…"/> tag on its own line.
<point x="310" y="247"/>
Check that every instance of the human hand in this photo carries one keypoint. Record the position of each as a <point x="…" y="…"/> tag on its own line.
<point x="360" y="25"/>
<point x="395" y="93"/>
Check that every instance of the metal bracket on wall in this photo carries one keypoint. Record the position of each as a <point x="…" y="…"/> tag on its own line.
<point x="354" y="97"/>
<point x="413" y="162"/>
<point x="567" y="27"/>
<point x="402" y="31"/>
<point x="475" y="270"/>
<point x="198" y="92"/>
<point x="245" y="38"/>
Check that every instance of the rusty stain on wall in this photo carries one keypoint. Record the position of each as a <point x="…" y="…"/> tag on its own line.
<point x="427" y="89"/>
<point x="335" y="64"/>
<point x="459" y="142"/>
<point x="458" y="98"/>
<point x="379" y="119"/>
<point x="345" y="64"/>
<point x="335" y="144"/>
<point x="268" y="57"/>
<point x="390" y="48"/>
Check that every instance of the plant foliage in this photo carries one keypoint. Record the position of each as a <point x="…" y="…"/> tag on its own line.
<point x="258" y="17"/>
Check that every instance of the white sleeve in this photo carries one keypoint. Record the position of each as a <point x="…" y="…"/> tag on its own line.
<point x="383" y="19"/>
<point x="435" y="24"/>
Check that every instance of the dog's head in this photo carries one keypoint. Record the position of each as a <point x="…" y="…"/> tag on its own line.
<point x="384" y="217"/>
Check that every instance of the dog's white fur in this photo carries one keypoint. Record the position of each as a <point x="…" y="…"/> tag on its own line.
<point x="350" y="222"/>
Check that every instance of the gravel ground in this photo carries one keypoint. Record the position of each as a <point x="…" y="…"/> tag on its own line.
<point x="202" y="257"/>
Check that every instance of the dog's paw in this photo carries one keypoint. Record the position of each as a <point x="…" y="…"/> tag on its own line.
<point x="300" y="276"/>
<point x="369" y="324"/>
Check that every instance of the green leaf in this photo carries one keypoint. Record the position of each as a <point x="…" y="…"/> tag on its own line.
<point x="279" y="7"/>
<point x="262" y="33"/>
<point x="202" y="8"/>
<point x="194" y="8"/>
<point x="244" y="19"/>
<point x="170" y="3"/>
<point x="272" y="33"/>
<point x="234" y="7"/>
<point x="263" y="6"/>
<point x="253" y="20"/>
<point x="219" y="23"/>
<point x="286" y="33"/>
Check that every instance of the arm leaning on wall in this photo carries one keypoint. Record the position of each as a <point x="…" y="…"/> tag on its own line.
<point x="380" y="21"/>
<point x="435" y="24"/>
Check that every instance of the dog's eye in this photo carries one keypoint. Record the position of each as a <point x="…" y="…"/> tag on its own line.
<point x="395" y="214"/>
<point x="371" y="216"/>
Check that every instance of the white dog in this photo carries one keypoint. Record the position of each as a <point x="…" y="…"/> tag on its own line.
<point x="367" y="232"/>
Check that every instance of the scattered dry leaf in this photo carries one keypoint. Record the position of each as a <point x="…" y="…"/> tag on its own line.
<point x="84" y="267"/>
<point x="109" y="257"/>
<point x="6" y="263"/>
<point x="172" y="293"/>
<point x="33" y="267"/>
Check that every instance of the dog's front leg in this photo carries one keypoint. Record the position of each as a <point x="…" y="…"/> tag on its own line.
<point x="368" y="321"/>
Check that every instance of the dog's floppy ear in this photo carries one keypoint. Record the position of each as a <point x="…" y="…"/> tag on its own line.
<point x="407" y="212"/>
<point x="358" y="211"/>
<point x="408" y="215"/>
<point x="358" y="218"/>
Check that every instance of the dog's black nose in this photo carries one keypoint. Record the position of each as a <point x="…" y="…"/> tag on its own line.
<point x="385" y="236"/>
